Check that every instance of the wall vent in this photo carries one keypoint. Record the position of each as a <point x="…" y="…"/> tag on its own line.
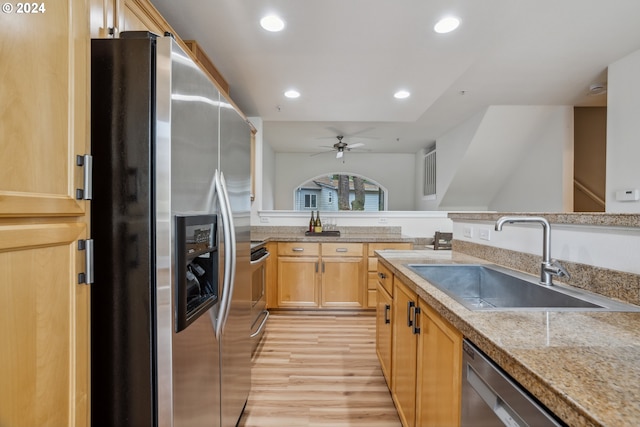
<point x="429" y="188"/>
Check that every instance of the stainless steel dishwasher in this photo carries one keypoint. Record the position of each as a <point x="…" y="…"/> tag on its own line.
<point x="491" y="398"/>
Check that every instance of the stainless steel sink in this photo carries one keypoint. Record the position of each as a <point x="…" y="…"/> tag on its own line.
<point x="490" y="287"/>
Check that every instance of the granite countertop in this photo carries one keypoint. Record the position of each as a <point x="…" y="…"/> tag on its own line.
<point x="348" y="234"/>
<point x="574" y="218"/>
<point x="345" y="237"/>
<point x="584" y="366"/>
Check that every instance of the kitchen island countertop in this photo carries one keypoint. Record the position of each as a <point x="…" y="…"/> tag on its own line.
<point x="584" y="366"/>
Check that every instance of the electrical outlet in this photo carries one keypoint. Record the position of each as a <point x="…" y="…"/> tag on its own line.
<point x="264" y="219"/>
<point x="467" y="232"/>
<point x="485" y="234"/>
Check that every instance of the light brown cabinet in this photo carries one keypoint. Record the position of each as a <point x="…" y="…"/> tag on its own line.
<point x="439" y="371"/>
<point x="384" y="319"/>
<point x="324" y="276"/>
<point x="426" y="356"/>
<point x="298" y="266"/>
<point x="342" y="275"/>
<point x="404" y="352"/>
<point x="44" y="311"/>
<point x="372" y="263"/>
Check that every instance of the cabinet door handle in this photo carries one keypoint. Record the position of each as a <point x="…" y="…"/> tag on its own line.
<point x="297" y="249"/>
<point x="342" y="250"/>
<point x="323" y="267"/>
<point x="410" y="306"/>
<point x="316" y="267"/>
<point x="416" y="313"/>
<point x="382" y="276"/>
<point x="387" y="307"/>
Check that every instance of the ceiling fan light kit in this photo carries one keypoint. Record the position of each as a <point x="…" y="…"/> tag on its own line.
<point x="340" y="147"/>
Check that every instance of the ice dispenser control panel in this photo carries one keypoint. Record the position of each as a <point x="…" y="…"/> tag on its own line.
<point x="196" y="267"/>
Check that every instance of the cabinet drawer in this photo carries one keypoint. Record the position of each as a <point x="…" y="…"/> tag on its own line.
<point x="388" y="245"/>
<point x="298" y="249"/>
<point x="342" y="249"/>
<point x="385" y="277"/>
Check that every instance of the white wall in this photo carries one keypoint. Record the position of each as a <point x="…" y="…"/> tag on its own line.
<point x="395" y="172"/>
<point x="614" y="248"/>
<point x="542" y="180"/>
<point x="450" y="149"/>
<point x="623" y="131"/>
<point x="268" y="177"/>
<point x="510" y="158"/>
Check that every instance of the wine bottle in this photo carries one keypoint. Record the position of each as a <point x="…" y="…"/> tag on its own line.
<point x="318" y="228"/>
<point x="312" y="224"/>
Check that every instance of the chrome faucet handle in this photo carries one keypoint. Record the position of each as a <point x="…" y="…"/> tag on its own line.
<point x="555" y="268"/>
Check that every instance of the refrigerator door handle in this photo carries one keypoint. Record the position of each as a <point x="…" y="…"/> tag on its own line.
<point x="232" y="253"/>
<point x="227" y="257"/>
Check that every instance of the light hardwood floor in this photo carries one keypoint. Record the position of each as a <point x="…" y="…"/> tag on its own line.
<point x="318" y="370"/>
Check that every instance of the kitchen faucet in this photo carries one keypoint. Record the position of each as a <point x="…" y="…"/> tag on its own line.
<point x="549" y="267"/>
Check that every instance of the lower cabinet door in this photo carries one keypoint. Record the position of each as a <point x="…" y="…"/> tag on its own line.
<point x="404" y="357"/>
<point x="383" y="331"/>
<point x="44" y="313"/>
<point x="298" y="282"/>
<point x="342" y="284"/>
<point x="439" y="371"/>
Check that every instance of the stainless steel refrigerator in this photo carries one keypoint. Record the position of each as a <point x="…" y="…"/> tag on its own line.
<point x="170" y="302"/>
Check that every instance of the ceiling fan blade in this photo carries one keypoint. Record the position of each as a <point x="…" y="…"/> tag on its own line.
<point x="321" y="152"/>
<point x="356" y="145"/>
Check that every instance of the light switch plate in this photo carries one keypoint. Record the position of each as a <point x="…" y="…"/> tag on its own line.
<point x="485" y="234"/>
<point x="467" y="232"/>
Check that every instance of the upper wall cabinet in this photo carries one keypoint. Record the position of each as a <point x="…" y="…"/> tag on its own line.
<point x="44" y="310"/>
<point x="43" y="108"/>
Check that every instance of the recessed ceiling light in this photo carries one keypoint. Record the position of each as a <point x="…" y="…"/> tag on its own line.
<point x="401" y="94"/>
<point x="272" y="23"/>
<point x="292" y="94"/>
<point x="446" y="25"/>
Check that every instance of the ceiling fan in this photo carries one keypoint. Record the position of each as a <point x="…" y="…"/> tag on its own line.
<point x="340" y="147"/>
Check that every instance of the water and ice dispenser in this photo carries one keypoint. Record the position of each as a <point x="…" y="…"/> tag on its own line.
<point x="196" y="267"/>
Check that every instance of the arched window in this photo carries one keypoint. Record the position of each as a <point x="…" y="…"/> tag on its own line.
<point x="340" y="192"/>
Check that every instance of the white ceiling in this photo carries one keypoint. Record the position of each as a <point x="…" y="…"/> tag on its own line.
<point x="348" y="57"/>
